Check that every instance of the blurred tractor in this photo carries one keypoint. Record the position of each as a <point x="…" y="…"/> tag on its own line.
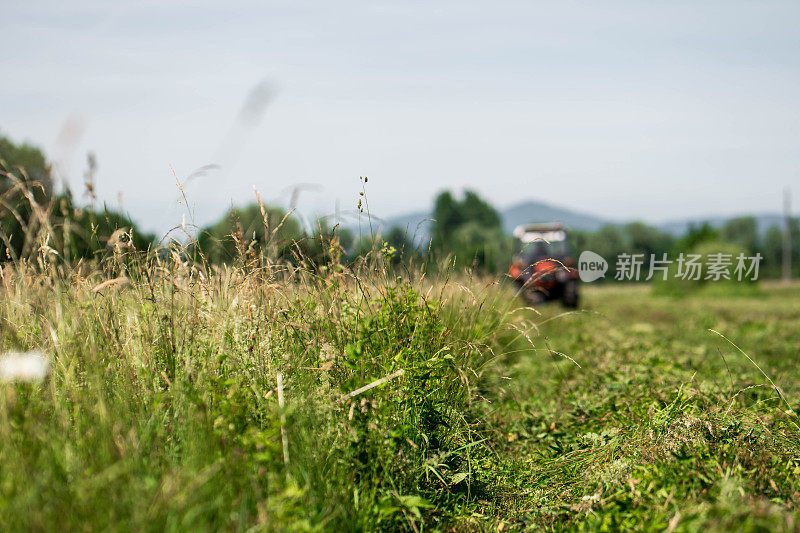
<point x="545" y="268"/>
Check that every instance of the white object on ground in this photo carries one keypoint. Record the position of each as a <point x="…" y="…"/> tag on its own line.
<point x="23" y="366"/>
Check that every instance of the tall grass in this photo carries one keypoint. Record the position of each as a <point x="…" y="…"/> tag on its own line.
<point x="282" y="394"/>
<point x="189" y="396"/>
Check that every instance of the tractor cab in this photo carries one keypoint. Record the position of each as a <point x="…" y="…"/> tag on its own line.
<point x="544" y="267"/>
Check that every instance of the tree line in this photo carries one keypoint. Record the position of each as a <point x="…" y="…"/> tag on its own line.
<point x="467" y="231"/>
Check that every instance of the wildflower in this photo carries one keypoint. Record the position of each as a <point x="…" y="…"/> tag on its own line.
<point x="23" y="366"/>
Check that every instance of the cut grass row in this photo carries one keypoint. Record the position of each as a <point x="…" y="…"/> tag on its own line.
<point x="665" y="425"/>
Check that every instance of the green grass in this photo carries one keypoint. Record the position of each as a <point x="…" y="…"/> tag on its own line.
<point x="162" y="408"/>
<point x="665" y="425"/>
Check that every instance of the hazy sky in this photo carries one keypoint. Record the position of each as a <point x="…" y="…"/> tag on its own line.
<point x="625" y="109"/>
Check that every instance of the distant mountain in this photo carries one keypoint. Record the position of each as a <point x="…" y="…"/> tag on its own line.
<point x="418" y="223"/>
<point x="533" y="211"/>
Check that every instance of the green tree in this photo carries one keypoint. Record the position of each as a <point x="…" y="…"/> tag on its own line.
<point x="772" y="251"/>
<point x="471" y="230"/>
<point x="609" y="242"/>
<point x="246" y="230"/>
<point x="447" y="218"/>
<point x="579" y="241"/>
<point x="23" y="162"/>
<point x="24" y="176"/>
<point x="81" y="233"/>
<point x="696" y="235"/>
<point x="326" y="245"/>
<point x="741" y="231"/>
<point x="484" y="247"/>
<point x="679" y="286"/>
<point x="647" y="240"/>
<point x="475" y="209"/>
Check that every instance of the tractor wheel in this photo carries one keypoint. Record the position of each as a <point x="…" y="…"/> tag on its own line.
<point x="570" y="295"/>
<point x="533" y="297"/>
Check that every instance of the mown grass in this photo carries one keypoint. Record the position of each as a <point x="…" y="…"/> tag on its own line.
<point x="163" y="408"/>
<point x="666" y="426"/>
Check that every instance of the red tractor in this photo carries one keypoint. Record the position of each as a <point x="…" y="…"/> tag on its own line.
<point x="545" y="268"/>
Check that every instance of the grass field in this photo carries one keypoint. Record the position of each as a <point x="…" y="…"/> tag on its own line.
<point x="665" y="425"/>
<point x="182" y="398"/>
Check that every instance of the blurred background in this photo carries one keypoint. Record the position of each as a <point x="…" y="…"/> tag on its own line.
<point x="593" y="114"/>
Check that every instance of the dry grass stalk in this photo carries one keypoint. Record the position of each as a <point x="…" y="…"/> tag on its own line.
<point x="284" y="436"/>
<point x="372" y="385"/>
